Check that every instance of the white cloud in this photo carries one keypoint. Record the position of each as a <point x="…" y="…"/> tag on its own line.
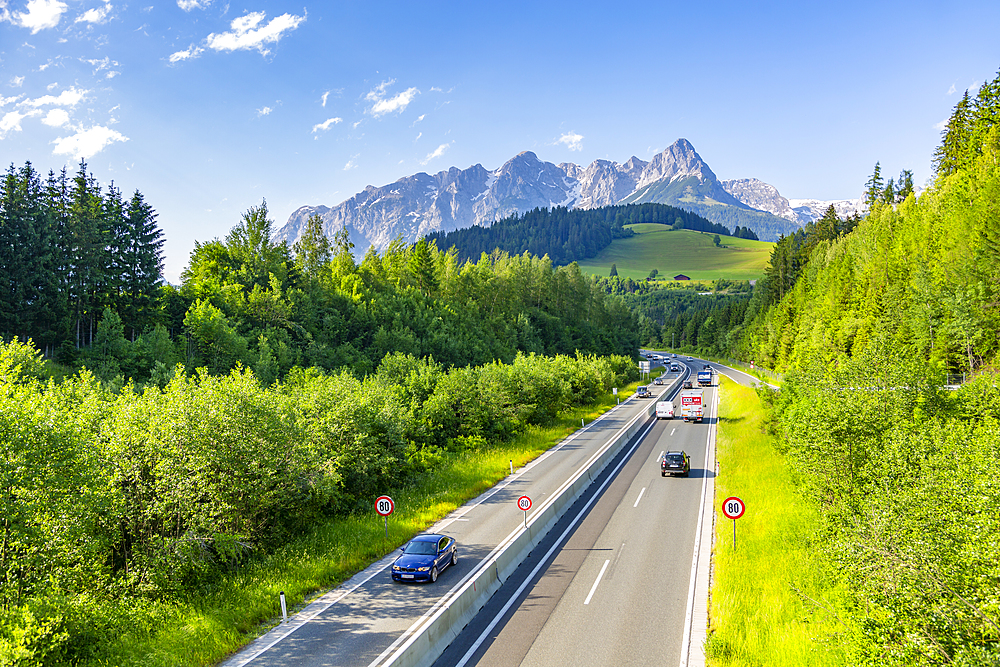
<point x="941" y="126"/>
<point x="41" y="14"/>
<point x="438" y="152"/>
<point x="419" y="134"/>
<point x="246" y="35"/>
<point x="87" y="143"/>
<point x="4" y="101"/>
<point x="351" y="164"/>
<point x="325" y="125"/>
<point x="11" y="121"/>
<point x="394" y="104"/>
<point x="325" y="95"/>
<point x="104" y="63"/>
<point x="56" y="118"/>
<point x="96" y="15"/>
<point x="191" y="52"/>
<point x="16" y="81"/>
<point x="951" y="91"/>
<point x="67" y="98"/>
<point x="419" y="118"/>
<point x="188" y="5"/>
<point x="264" y="111"/>
<point x="572" y="140"/>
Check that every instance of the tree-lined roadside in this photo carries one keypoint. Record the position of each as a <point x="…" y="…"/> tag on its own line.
<point x="122" y="507"/>
<point x="775" y="599"/>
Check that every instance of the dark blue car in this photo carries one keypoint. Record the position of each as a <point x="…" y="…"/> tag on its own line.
<point x="424" y="558"/>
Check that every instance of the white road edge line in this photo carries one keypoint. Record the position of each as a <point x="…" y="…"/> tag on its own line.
<point x="596" y="583"/>
<point x="555" y="545"/>
<point x="640" y="497"/>
<point x="689" y="615"/>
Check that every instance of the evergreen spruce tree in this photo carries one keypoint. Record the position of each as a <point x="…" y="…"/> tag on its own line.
<point x="614" y="270"/>
<point x="950" y="155"/>
<point x="142" y="266"/>
<point x="874" y="188"/>
<point x="87" y="249"/>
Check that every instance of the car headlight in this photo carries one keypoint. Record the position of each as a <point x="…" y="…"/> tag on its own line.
<point x="422" y="569"/>
<point x="395" y="568"/>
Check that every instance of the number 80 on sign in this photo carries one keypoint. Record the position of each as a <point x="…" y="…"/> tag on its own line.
<point x="733" y="508"/>
<point x="384" y="505"/>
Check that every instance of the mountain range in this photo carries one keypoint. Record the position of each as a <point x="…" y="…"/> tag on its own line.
<point x="423" y="203"/>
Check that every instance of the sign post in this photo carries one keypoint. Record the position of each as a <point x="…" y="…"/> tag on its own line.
<point x="384" y="507"/>
<point x="524" y="503"/>
<point x="733" y="508"/>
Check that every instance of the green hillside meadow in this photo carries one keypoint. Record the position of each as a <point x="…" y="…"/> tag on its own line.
<point x="681" y="251"/>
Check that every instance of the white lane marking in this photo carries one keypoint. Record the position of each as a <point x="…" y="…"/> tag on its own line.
<point x="555" y="545"/>
<point x="689" y="614"/>
<point x="596" y="583"/>
<point x="640" y="497"/>
<point x="672" y="432"/>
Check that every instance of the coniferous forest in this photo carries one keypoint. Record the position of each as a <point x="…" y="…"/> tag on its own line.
<point x="566" y="235"/>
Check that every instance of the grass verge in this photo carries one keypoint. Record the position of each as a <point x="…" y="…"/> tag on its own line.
<point x="774" y="600"/>
<point x="205" y="629"/>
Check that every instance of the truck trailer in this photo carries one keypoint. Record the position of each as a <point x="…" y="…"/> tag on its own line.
<point x="691" y="404"/>
<point x="705" y="378"/>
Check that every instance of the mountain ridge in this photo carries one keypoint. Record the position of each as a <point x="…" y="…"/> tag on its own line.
<point x="414" y="206"/>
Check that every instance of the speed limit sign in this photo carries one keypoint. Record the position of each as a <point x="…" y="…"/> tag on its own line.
<point x="524" y="503"/>
<point x="733" y="508"/>
<point x="384" y="505"/>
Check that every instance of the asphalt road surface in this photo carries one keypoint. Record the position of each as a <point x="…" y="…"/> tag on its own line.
<point x="611" y="584"/>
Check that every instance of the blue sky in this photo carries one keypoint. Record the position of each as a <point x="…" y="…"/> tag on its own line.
<point x="208" y="107"/>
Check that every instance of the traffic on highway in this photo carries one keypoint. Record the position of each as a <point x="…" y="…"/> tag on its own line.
<point x="600" y="570"/>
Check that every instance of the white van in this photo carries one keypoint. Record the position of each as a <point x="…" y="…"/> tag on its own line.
<point x="665" y="410"/>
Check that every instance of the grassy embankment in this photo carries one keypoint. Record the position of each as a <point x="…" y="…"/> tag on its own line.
<point x="682" y="251"/>
<point x="204" y="629"/>
<point x="773" y="600"/>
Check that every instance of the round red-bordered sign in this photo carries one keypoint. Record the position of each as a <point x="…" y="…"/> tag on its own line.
<point x="733" y="507"/>
<point x="384" y="506"/>
<point x="524" y="503"/>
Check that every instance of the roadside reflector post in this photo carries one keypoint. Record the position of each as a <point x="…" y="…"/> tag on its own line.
<point x="512" y="466"/>
<point x="284" y="609"/>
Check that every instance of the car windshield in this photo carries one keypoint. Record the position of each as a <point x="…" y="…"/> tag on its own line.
<point x="674" y="458"/>
<point x="421" y="548"/>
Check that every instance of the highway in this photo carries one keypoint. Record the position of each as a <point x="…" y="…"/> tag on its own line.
<point x="369" y="619"/>
<point x="617" y="588"/>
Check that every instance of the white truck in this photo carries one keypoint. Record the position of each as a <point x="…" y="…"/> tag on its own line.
<point x="665" y="410"/>
<point x="692" y="408"/>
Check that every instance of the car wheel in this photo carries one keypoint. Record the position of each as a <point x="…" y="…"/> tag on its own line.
<point x="663" y="474"/>
<point x="454" y="557"/>
<point x="434" y="574"/>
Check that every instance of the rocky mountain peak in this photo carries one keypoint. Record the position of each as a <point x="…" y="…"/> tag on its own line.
<point x="416" y="205"/>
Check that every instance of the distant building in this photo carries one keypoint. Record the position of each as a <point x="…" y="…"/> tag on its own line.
<point x="681" y="276"/>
